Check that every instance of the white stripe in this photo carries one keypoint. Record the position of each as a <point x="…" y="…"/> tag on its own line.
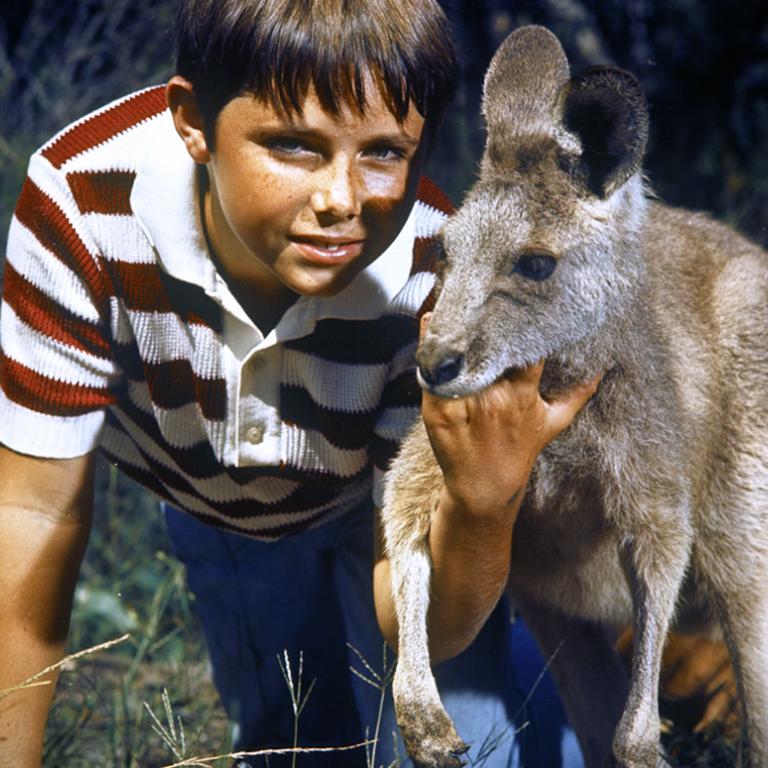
<point x="54" y="185"/>
<point x="413" y="294"/>
<point x="49" y="357"/>
<point x="122" y="448"/>
<point x="310" y="450"/>
<point x="120" y="238"/>
<point x="163" y="337"/>
<point x="219" y="488"/>
<point x="428" y="220"/>
<point x="119" y="152"/>
<point x="94" y="113"/>
<point x="49" y="275"/>
<point x="182" y="427"/>
<point x="45" y="436"/>
<point x="342" y="387"/>
<point x="395" y="422"/>
<point x="404" y="358"/>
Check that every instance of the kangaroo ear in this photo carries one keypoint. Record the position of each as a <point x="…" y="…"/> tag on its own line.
<point x="606" y="108"/>
<point x="524" y="81"/>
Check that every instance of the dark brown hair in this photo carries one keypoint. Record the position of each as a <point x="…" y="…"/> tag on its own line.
<point x="276" y="49"/>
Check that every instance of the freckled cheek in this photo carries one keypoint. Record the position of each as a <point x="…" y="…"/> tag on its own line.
<point x="259" y="201"/>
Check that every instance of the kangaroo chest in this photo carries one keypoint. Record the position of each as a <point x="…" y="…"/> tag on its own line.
<point x="565" y="551"/>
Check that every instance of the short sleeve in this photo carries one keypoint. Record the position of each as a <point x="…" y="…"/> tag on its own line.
<point x="57" y="370"/>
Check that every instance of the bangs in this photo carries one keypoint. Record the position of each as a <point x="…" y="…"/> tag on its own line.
<point x="277" y="49"/>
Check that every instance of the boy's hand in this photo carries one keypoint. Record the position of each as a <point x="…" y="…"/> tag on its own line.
<point x="486" y="444"/>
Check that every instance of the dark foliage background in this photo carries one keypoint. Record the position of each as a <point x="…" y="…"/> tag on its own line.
<point x="704" y="65"/>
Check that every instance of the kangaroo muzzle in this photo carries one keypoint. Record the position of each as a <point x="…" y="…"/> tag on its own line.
<point x="441" y="372"/>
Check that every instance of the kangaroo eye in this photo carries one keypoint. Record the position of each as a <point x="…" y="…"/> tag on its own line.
<point x="535" y="266"/>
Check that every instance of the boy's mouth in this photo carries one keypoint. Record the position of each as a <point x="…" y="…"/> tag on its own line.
<point x="327" y="250"/>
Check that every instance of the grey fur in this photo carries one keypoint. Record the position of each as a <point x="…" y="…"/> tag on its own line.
<point x="653" y="505"/>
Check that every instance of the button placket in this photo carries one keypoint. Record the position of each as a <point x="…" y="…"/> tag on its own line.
<point x="259" y="437"/>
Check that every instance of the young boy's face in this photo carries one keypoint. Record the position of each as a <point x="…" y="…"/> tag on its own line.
<point x="307" y="202"/>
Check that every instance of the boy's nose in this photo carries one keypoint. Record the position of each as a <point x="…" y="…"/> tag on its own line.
<point x="336" y="193"/>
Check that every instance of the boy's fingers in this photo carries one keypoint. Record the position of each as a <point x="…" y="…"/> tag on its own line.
<point x="519" y="380"/>
<point x="530" y="374"/>
<point x="424" y="323"/>
<point x="564" y="407"/>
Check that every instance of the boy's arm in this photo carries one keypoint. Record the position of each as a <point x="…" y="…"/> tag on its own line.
<point x="486" y="446"/>
<point x="45" y="518"/>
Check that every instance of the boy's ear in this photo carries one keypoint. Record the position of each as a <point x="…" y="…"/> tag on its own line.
<point x="187" y="117"/>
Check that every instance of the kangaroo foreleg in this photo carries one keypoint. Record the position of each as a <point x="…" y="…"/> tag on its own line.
<point x="412" y="492"/>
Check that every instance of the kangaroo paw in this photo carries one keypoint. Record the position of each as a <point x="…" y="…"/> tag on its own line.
<point x="429" y="736"/>
<point x="647" y="756"/>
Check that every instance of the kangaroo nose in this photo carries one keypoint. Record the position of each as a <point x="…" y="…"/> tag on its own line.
<point x="446" y="370"/>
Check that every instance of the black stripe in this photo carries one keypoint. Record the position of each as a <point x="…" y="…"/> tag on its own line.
<point x="361" y="342"/>
<point x="344" y="430"/>
<point x="402" y="392"/>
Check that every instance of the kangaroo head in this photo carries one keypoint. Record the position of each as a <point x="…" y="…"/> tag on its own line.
<point x="541" y="254"/>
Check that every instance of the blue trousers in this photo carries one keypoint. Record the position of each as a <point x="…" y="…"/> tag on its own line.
<point x="309" y="596"/>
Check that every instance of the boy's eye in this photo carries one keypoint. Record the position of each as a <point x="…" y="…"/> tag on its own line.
<point x="288" y="146"/>
<point x="384" y="153"/>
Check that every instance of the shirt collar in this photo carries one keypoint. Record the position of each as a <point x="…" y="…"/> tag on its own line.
<point x="165" y="201"/>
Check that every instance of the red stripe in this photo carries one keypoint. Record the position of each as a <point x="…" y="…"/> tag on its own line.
<point x="47" y="317"/>
<point x="97" y="129"/>
<point x="424" y="255"/>
<point x="36" y="392"/>
<point x="102" y="191"/>
<point x="145" y="288"/>
<point x="428" y="192"/>
<point x="53" y="230"/>
<point x="140" y="286"/>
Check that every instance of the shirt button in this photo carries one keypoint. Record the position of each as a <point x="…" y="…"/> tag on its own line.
<point x="255" y="434"/>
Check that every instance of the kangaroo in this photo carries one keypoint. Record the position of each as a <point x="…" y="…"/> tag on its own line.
<point x="653" y="505"/>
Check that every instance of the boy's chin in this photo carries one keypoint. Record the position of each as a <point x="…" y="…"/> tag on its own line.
<point x="326" y="287"/>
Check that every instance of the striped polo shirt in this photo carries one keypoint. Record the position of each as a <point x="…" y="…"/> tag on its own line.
<point x="118" y="333"/>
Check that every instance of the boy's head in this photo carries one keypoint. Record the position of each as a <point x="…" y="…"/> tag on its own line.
<point x="278" y="49"/>
<point x="311" y="118"/>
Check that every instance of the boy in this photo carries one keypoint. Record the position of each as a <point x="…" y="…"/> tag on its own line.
<point x="218" y="285"/>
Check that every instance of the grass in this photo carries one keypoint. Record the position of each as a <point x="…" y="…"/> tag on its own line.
<point x="130" y="583"/>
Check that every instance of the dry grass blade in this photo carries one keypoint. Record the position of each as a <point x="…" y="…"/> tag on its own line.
<point x="204" y="761"/>
<point x="35" y="681"/>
